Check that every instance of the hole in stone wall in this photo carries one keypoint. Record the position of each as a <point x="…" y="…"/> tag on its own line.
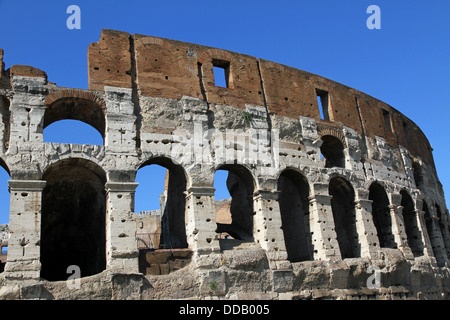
<point x="443" y="229"/>
<point x="343" y="207"/>
<point x="221" y="70"/>
<point x="323" y="103"/>
<point x="160" y="205"/>
<point x="4" y="212"/>
<point x="222" y="199"/>
<point x="432" y="235"/>
<point x="381" y="215"/>
<point x="387" y="120"/>
<point x="418" y="174"/>
<point x="332" y="150"/>
<point x="405" y="129"/>
<point x="236" y="214"/>
<point x="294" y="208"/>
<point x="413" y="233"/>
<point x="72" y="131"/>
<point x="73" y="219"/>
<point x="3" y="256"/>
<point x="73" y="108"/>
<point x="4" y="193"/>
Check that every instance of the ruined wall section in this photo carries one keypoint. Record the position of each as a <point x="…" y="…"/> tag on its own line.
<point x="149" y="97"/>
<point x="172" y="69"/>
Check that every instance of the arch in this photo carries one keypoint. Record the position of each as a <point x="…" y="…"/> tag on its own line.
<point x="76" y="105"/>
<point x="344" y="215"/>
<point x="294" y="191"/>
<point x="73" y="226"/>
<point x="72" y="131"/>
<point x="433" y="235"/>
<point x="381" y="215"/>
<point x="442" y="229"/>
<point x="5" y="175"/>
<point x="173" y="204"/>
<point x="413" y="233"/>
<point x="241" y="185"/>
<point x="5" y="200"/>
<point x="332" y="150"/>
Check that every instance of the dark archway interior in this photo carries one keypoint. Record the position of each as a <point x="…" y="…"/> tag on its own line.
<point x="382" y="216"/>
<point x="413" y="234"/>
<point x="443" y="229"/>
<point x="173" y="224"/>
<point x="433" y="236"/>
<point x="73" y="219"/>
<point x="344" y="215"/>
<point x="333" y="151"/>
<point x="294" y="208"/>
<point x="240" y="186"/>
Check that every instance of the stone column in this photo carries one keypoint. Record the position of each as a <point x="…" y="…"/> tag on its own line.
<point x="23" y="260"/>
<point x="121" y="244"/>
<point x="398" y="226"/>
<point x="324" y="238"/>
<point x="365" y="227"/>
<point x="421" y="225"/>
<point x="267" y="228"/>
<point x="201" y="219"/>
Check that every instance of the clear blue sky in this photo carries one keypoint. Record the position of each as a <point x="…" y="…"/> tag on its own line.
<point x="405" y="64"/>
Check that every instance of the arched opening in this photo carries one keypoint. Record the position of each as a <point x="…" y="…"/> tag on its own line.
<point x="432" y="234"/>
<point x="413" y="234"/>
<point x="381" y="215"/>
<point x="332" y="150"/>
<point x="239" y="212"/>
<point x="73" y="219"/>
<point x="161" y="205"/>
<point x="222" y="200"/>
<point x="418" y="174"/>
<point x="74" y="108"/>
<point x="4" y="213"/>
<point x="443" y="230"/>
<point x="72" y="131"/>
<point x="344" y="215"/>
<point x="294" y="208"/>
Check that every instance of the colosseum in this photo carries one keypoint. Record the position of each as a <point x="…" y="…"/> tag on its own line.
<point x="334" y="194"/>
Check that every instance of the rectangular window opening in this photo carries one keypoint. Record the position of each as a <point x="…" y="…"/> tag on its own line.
<point x="323" y="102"/>
<point x="221" y="71"/>
<point x="387" y="120"/>
<point x="405" y="129"/>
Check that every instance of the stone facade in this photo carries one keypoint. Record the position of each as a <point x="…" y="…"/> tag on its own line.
<point x="334" y="194"/>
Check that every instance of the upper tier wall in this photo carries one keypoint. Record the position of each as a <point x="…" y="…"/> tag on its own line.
<point x="172" y="69"/>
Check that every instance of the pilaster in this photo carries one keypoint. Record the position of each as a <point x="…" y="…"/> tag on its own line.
<point x="267" y="228"/>
<point x="23" y="260"/>
<point x="121" y="244"/>
<point x="201" y="219"/>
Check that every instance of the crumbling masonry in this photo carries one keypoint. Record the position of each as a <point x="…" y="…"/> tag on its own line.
<point x="331" y="188"/>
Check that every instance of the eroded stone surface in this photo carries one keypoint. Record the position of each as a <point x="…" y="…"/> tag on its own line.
<point x="360" y="184"/>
